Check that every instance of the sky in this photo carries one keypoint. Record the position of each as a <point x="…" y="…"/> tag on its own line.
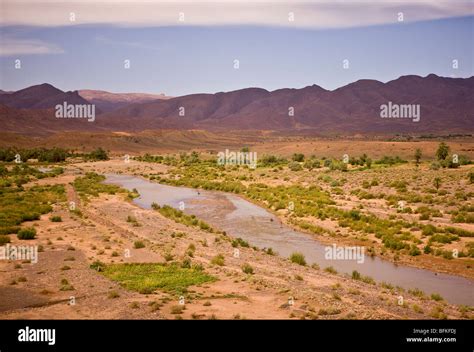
<point x="184" y="48"/>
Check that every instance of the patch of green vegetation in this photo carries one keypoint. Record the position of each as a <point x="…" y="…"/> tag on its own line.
<point x="389" y="160"/>
<point x="53" y="155"/>
<point x="182" y="218"/>
<point x="271" y="160"/>
<point x="438" y="313"/>
<point x="417" y="292"/>
<point x="330" y="270"/>
<point x="91" y="185"/>
<point x="316" y="229"/>
<point x="464" y="215"/>
<point x="218" y="260"/>
<point x="417" y="308"/>
<point x="240" y="242"/>
<point x="357" y="276"/>
<point x="132" y="220"/>
<point x="4" y="239"/>
<point x="298" y="258"/>
<point x="96" y="155"/>
<point x="66" y="286"/>
<point x="113" y="294"/>
<point x="55" y="218"/>
<point x="247" y="268"/>
<point x="148" y="277"/>
<point x="18" y="205"/>
<point x="436" y="297"/>
<point x="295" y="166"/>
<point x="27" y="233"/>
<point x="269" y="251"/>
<point x="443" y="238"/>
<point x="459" y="232"/>
<point x="138" y="244"/>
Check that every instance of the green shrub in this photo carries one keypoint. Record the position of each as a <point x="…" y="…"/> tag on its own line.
<point x="297" y="157"/>
<point x="298" y="258"/>
<point x="66" y="286"/>
<point x="218" y="260"/>
<point x="240" y="242"/>
<point x="186" y="263"/>
<point x="330" y="270"/>
<point x="443" y="238"/>
<point x="55" y="218"/>
<point x="436" y="297"/>
<point x="414" y="250"/>
<point x="138" y="244"/>
<point x="247" y="269"/>
<point x="417" y="292"/>
<point x="113" y="294"/>
<point x="97" y="154"/>
<point x="356" y="275"/>
<point x="97" y="266"/>
<point x="4" y="239"/>
<point x="442" y="152"/>
<point x="27" y="233"/>
<point x="295" y="166"/>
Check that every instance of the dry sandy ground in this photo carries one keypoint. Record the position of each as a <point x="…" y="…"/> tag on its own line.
<point x="375" y="149"/>
<point x="77" y="242"/>
<point x="263" y="142"/>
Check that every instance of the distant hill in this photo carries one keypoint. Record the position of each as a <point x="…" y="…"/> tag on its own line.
<point x="107" y="101"/>
<point x="446" y="106"/>
<point x="42" y="96"/>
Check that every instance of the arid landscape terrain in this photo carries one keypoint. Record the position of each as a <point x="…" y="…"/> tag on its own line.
<point x="184" y="267"/>
<point x="237" y="160"/>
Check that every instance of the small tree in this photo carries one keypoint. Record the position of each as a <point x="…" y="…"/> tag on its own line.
<point x="437" y="183"/>
<point x="418" y="156"/>
<point x="442" y="152"/>
<point x="471" y="177"/>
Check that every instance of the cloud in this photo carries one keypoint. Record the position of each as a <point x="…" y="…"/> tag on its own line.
<point x="15" y="46"/>
<point x="149" y="13"/>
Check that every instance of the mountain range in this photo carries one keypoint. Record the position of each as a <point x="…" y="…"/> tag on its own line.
<point x="446" y="105"/>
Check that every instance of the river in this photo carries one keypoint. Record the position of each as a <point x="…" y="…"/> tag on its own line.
<point x="241" y="218"/>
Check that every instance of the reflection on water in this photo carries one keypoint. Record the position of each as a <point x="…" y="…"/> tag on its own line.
<point x="240" y="218"/>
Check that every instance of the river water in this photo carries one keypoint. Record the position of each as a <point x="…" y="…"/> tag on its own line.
<point x="240" y="218"/>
